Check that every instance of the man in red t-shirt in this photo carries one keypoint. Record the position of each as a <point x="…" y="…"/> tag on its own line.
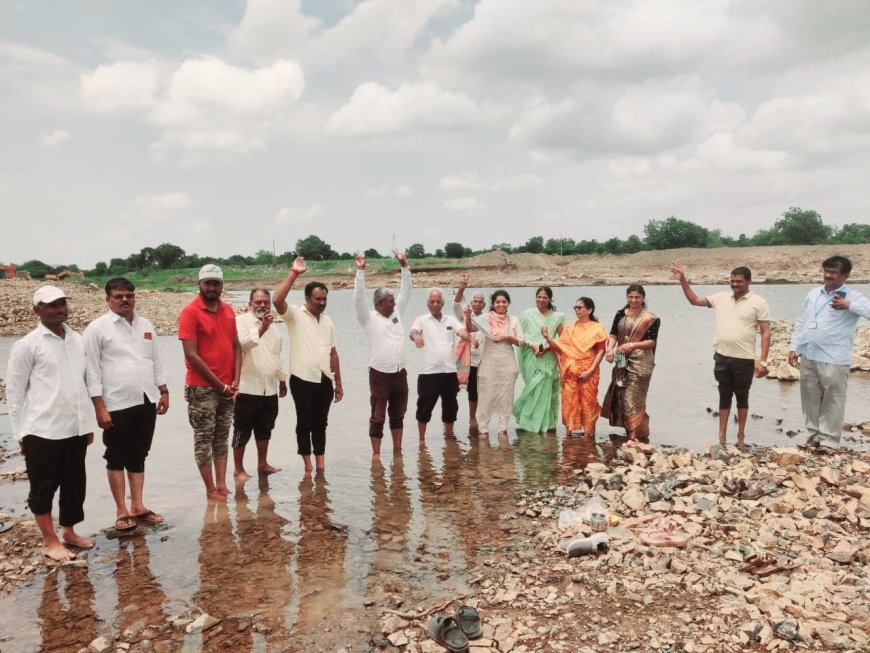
<point x="213" y="357"/>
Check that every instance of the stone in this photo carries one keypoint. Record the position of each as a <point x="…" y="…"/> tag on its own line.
<point x="634" y="498"/>
<point x="100" y="644"/>
<point x="786" y="456"/>
<point x="830" y="476"/>
<point x="398" y="638"/>
<point x="788" y="629"/>
<point x="201" y="623"/>
<point x="844" y="553"/>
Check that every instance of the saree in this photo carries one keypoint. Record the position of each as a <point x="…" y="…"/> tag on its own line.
<point x="625" y="402"/>
<point x="537" y="407"/>
<point x="577" y="348"/>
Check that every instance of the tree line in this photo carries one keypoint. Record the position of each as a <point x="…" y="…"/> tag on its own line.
<point x="795" y="227"/>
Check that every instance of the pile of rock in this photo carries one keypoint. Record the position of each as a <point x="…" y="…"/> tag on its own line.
<point x="780" y="342"/>
<point x="693" y="599"/>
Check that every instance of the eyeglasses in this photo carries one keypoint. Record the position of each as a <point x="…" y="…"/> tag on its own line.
<point x="579" y="308"/>
<point x="126" y="295"/>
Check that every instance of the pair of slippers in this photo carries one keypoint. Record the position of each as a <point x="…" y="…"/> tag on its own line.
<point x="129" y="522"/>
<point x="454" y="632"/>
<point x="743" y="489"/>
<point x="814" y="446"/>
<point x="584" y="545"/>
<point x="664" y="533"/>
<point x="762" y="565"/>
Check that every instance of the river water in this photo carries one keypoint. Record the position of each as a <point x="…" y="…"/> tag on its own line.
<point x="299" y="551"/>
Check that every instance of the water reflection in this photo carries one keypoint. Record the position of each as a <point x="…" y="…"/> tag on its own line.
<point x="577" y="452"/>
<point x="141" y="599"/>
<point x="66" y="614"/>
<point x="391" y="516"/>
<point x="538" y="455"/>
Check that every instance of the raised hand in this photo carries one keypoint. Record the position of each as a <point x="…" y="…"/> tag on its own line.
<point x="677" y="271"/>
<point x="360" y="261"/>
<point x="299" y="266"/>
<point x="463" y="280"/>
<point x="402" y="257"/>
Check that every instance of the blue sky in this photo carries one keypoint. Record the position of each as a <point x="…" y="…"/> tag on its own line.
<point x="224" y="126"/>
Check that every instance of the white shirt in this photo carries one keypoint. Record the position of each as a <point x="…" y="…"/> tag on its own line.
<point x="386" y="335"/>
<point x="45" y="386"/>
<point x="439" y="342"/>
<point x="311" y="341"/>
<point x="123" y="361"/>
<point x="261" y="357"/>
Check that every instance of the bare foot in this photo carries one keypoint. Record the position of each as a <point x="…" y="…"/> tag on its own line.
<point x="308" y="471"/>
<point x="215" y="495"/>
<point x="74" y="539"/>
<point x="223" y="489"/>
<point x="268" y="469"/>
<point x="241" y="475"/>
<point x="57" y="551"/>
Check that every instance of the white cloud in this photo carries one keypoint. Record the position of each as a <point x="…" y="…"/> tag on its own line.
<point x="473" y="181"/>
<point x="120" y="86"/>
<point x="298" y="214"/>
<point x="464" y="205"/>
<point x="157" y="208"/>
<point x="375" y="110"/>
<point x="54" y="138"/>
<point x="389" y="191"/>
<point x="29" y="74"/>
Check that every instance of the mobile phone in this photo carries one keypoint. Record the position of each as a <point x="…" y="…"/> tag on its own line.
<point x="840" y="293"/>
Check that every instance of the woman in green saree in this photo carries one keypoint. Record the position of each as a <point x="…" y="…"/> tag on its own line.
<point x="537" y="407"/>
<point x="632" y="345"/>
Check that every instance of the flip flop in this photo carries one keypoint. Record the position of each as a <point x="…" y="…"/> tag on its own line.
<point x="5" y="526"/>
<point x="665" y="535"/>
<point x="754" y="561"/>
<point x="148" y="517"/>
<point x="753" y="492"/>
<point x="125" y="523"/>
<point x="447" y="633"/>
<point x="469" y="621"/>
<point x="780" y="564"/>
<point x="733" y="486"/>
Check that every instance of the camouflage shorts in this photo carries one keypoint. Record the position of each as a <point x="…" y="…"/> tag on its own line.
<point x="210" y="415"/>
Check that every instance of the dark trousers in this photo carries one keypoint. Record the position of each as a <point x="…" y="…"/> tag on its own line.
<point x="53" y="464"/>
<point x="431" y="388"/>
<point x="735" y="377"/>
<point x="129" y="440"/>
<point x="312" y="402"/>
<point x="389" y="394"/>
<point x="254" y="414"/>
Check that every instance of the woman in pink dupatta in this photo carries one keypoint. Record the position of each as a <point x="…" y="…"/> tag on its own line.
<point x="580" y="350"/>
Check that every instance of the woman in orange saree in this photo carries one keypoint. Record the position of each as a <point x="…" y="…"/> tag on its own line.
<point x="631" y="346"/>
<point x="579" y="350"/>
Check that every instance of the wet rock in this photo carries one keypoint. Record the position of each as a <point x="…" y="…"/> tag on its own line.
<point x="201" y="623"/>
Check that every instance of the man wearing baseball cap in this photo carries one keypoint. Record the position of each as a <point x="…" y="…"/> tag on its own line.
<point x="213" y="356"/>
<point x="52" y="419"/>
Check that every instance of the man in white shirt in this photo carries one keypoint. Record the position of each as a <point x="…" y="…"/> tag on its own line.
<point x="436" y="334"/>
<point x="52" y="419"/>
<point x="478" y="303"/>
<point x="127" y="385"/>
<point x="314" y="365"/>
<point x="388" y="379"/>
<point x="261" y="383"/>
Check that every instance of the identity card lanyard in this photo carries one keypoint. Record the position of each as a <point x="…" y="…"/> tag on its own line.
<point x="814" y="324"/>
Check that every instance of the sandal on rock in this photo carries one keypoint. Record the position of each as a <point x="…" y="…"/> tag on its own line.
<point x="782" y="563"/>
<point x="469" y="621"/>
<point x="664" y="534"/>
<point x="148" y="517"/>
<point x="580" y="545"/>
<point x="755" y="561"/>
<point x="733" y="486"/>
<point x="447" y="633"/>
<point x="753" y="492"/>
<point x="125" y="523"/>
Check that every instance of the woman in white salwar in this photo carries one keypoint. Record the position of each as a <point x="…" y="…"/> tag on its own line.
<point x="498" y="371"/>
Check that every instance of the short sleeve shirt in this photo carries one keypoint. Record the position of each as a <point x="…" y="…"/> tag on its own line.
<point x="439" y="338"/>
<point x="311" y="342"/>
<point x="737" y="323"/>
<point x="215" y="335"/>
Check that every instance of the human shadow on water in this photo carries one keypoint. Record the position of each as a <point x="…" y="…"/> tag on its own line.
<point x="320" y="554"/>
<point x="66" y="614"/>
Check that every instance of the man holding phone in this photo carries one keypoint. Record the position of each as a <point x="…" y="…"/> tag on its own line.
<point x="824" y="333"/>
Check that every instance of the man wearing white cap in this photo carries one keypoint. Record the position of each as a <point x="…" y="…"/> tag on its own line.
<point x="52" y="419"/>
<point x="213" y="356"/>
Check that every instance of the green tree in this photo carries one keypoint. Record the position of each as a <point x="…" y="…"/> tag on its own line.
<point x="632" y="244"/>
<point x="439" y="253"/>
<point x="454" y="250"/>
<point x="36" y="268"/>
<point x="534" y="245"/>
<point x="100" y="269"/>
<point x="672" y="233"/>
<point x="559" y="246"/>
<point x="417" y="251"/>
<point x="853" y="233"/>
<point x="372" y="253"/>
<point x="800" y="227"/>
<point x="613" y="246"/>
<point x="314" y="248"/>
<point x="167" y="255"/>
<point x="264" y="257"/>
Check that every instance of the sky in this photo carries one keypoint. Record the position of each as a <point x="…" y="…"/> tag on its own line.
<point x="230" y="127"/>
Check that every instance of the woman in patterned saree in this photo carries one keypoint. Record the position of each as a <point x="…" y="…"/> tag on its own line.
<point x="631" y="345"/>
<point x="537" y="407"/>
<point x="580" y="350"/>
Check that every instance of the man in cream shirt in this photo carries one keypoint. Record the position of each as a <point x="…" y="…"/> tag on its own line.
<point x="52" y="419"/>
<point x="388" y="379"/>
<point x="261" y="383"/>
<point x="315" y="376"/>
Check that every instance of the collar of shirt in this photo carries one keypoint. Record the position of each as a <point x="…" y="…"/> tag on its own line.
<point x="201" y="303"/>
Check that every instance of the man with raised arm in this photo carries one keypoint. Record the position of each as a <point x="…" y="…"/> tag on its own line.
<point x="127" y="384"/>
<point x="213" y="356"/>
<point x="388" y="379"/>
<point x="824" y="333"/>
<point x="478" y="303"/>
<point x="315" y="375"/>
<point x="436" y="334"/>
<point x="740" y="315"/>
<point x="53" y="420"/>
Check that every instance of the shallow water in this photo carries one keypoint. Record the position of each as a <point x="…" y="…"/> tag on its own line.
<point x="299" y="550"/>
